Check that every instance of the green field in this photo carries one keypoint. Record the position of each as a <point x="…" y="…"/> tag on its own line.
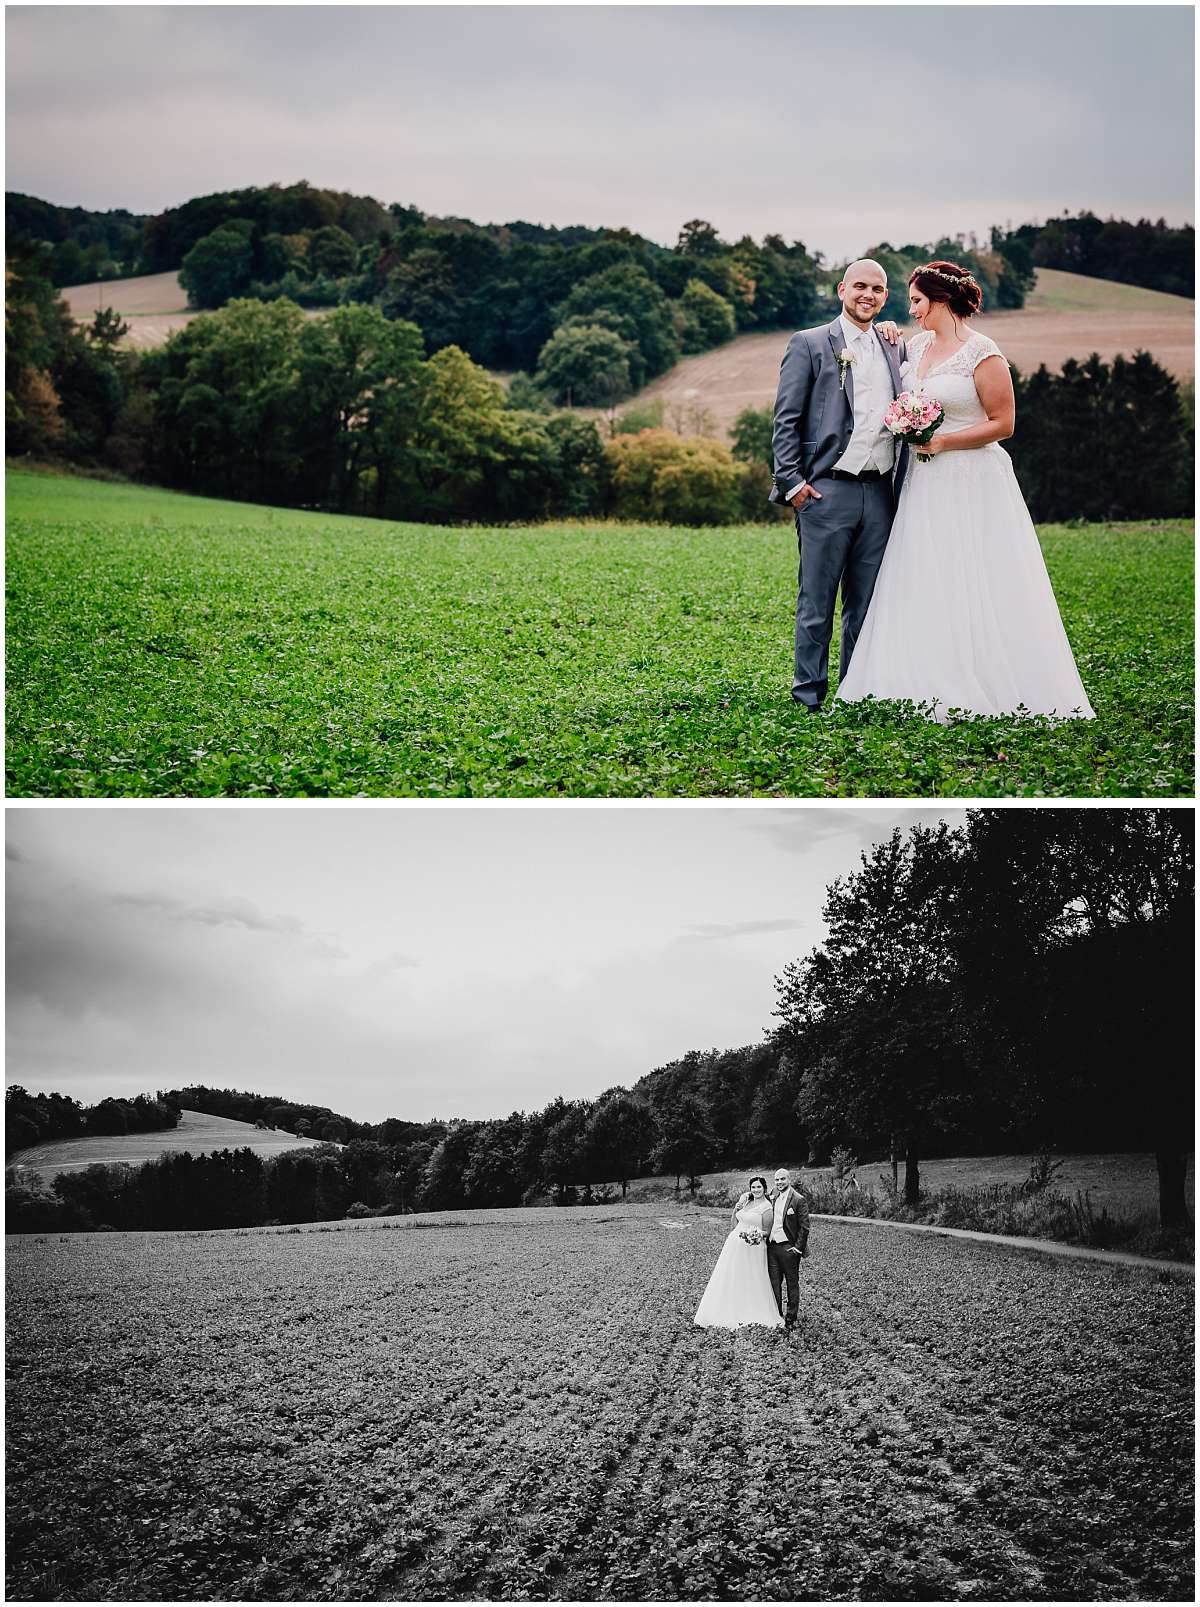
<point x="162" y="645"/>
<point x="515" y="1405"/>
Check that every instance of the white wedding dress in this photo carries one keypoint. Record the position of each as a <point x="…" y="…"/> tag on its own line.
<point x="963" y="616"/>
<point x="739" y="1290"/>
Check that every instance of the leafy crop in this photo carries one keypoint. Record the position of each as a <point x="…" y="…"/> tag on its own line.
<point x="162" y="645"/>
<point x="522" y="1409"/>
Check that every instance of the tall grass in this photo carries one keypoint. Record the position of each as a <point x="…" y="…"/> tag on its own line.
<point x="1021" y="1210"/>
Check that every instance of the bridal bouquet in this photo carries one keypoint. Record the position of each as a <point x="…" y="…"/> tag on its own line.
<point x="752" y="1235"/>
<point x="915" y="417"/>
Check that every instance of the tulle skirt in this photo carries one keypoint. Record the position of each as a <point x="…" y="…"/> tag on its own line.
<point x="739" y="1290"/>
<point x="963" y="616"/>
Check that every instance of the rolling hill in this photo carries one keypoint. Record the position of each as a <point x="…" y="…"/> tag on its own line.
<point x="1066" y="315"/>
<point x="197" y="1132"/>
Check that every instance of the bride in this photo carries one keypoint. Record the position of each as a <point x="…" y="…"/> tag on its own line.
<point x="739" y="1290"/>
<point x="963" y="616"/>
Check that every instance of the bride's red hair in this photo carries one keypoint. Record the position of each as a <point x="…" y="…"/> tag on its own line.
<point x="946" y="281"/>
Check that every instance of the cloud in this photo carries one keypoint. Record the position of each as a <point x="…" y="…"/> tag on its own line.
<point x="231" y="911"/>
<point x="394" y="962"/>
<point x="564" y="114"/>
<point x="797" y="831"/>
<point x="711" y="930"/>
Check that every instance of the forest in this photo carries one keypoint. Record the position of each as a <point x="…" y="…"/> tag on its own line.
<point x="389" y="406"/>
<point x="348" y="413"/>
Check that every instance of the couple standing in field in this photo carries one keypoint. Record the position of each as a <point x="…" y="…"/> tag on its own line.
<point x="760" y="1257"/>
<point x="945" y="596"/>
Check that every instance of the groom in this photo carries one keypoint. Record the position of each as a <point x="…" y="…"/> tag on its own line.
<point x="787" y="1243"/>
<point x="837" y="465"/>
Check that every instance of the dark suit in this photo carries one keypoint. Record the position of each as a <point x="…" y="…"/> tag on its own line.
<point x="783" y="1260"/>
<point x="842" y="536"/>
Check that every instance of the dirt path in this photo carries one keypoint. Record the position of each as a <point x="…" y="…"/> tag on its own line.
<point x="1010" y="1241"/>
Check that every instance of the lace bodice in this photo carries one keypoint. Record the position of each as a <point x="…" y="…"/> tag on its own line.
<point x="751" y="1216"/>
<point x="952" y="382"/>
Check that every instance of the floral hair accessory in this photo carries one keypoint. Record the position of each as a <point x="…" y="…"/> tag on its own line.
<point x="950" y="278"/>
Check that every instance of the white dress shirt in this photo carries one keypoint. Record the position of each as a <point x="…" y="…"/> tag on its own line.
<point x="871" y="445"/>
<point x="777" y="1233"/>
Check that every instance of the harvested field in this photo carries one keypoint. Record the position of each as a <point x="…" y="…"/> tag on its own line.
<point x="154" y="306"/>
<point x="1067" y="315"/>
<point x="515" y="1405"/>
<point x="197" y="1132"/>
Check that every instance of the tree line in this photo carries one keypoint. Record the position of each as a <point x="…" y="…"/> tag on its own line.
<point x="40" y="1118"/>
<point x="1155" y="255"/>
<point x="1130" y="412"/>
<point x="346" y="413"/>
<point x="102" y="245"/>
<point x="343" y="413"/>
<point x="1023" y="981"/>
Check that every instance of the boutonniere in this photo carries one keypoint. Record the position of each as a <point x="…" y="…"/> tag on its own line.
<point x="845" y="359"/>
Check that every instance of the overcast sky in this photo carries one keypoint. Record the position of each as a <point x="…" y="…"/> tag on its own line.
<point x="411" y="962"/>
<point x="840" y="126"/>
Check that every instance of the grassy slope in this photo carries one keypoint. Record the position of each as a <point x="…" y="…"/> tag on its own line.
<point x="162" y="645"/>
<point x="1056" y="291"/>
<point x="196" y="1132"/>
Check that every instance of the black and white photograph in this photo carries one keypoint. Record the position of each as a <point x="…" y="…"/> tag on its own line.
<point x="538" y="1203"/>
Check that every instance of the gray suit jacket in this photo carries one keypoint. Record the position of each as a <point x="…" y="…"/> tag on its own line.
<point x="814" y="412"/>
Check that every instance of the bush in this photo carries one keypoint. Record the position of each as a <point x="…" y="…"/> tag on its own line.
<point x="754" y="496"/>
<point x="526" y="396"/>
<point x="585" y="365"/>
<point x="658" y="475"/>
<point x="842" y="1163"/>
<point x="219" y="265"/>
<point x="647" y="415"/>
<point x="32" y="1210"/>
<point x="359" y="1209"/>
<point x="752" y="436"/>
<point x="706" y="319"/>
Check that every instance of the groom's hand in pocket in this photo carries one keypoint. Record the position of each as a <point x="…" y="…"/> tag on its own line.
<point x="805" y="494"/>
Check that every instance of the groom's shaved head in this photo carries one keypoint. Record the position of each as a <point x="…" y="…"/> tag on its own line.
<point x="859" y="270"/>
